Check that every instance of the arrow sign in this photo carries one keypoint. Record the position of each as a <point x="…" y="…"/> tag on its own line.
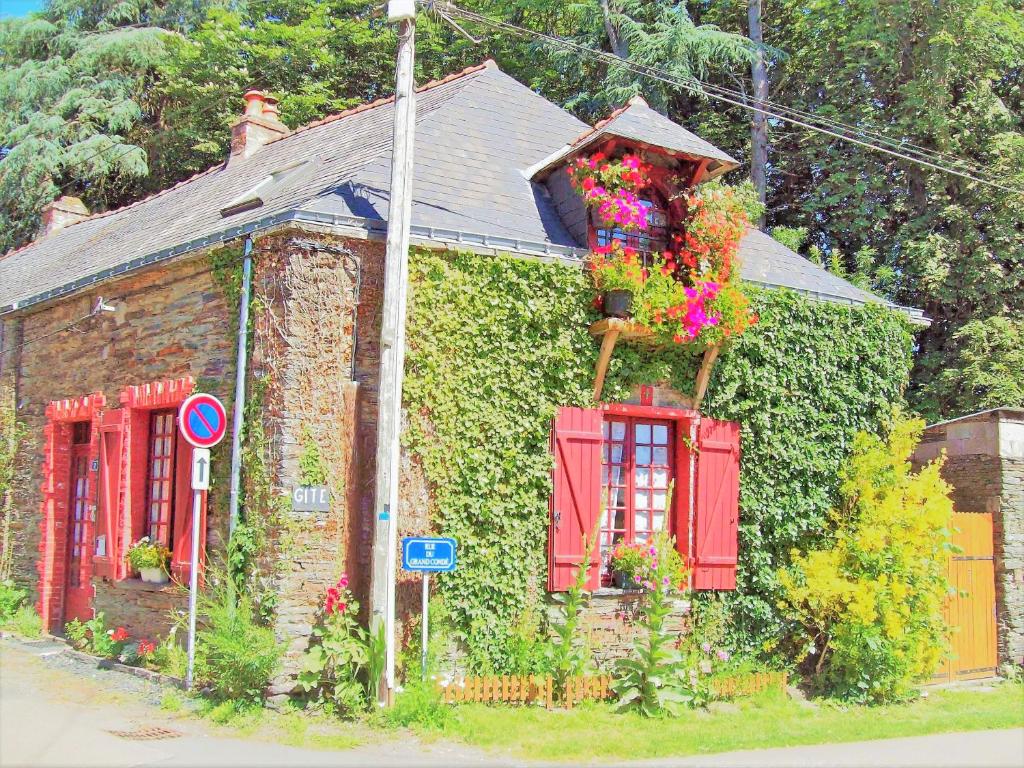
<point x="200" y="469"/>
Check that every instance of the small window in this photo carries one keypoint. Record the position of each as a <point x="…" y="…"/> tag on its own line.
<point x="160" y="478"/>
<point x="636" y="477"/>
<point x="80" y="433"/>
<point x="645" y="242"/>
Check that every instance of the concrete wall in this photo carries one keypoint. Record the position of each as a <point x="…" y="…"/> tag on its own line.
<point x="985" y="466"/>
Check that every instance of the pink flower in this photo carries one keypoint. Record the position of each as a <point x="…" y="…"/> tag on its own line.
<point x="723" y="655"/>
<point x="343" y="581"/>
<point x="706" y="647"/>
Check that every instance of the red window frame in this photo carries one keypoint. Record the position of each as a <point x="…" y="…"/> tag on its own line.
<point x="638" y="459"/>
<point x="160" y="477"/>
<point x="645" y="242"/>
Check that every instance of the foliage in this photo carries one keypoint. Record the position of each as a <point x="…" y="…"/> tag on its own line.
<point x="872" y="603"/>
<point x="496" y="344"/>
<point x="12" y="597"/>
<point x="169" y="657"/>
<point x="986" y="368"/>
<point x="627" y="559"/>
<point x="656" y="681"/>
<point x="312" y="469"/>
<point x="569" y="654"/>
<point x="26" y="622"/>
<point x="335" y="668"/>
<point x="93" y="637"/>
<point x="148" y="554"/>
<point x="235" y="656"/>
<point x="12" y="435"/>
<point x="610" y="186"/>
<point x="419" y="705"/>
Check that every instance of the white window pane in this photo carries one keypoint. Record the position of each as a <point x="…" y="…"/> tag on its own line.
<point x="643" y="433"/>
<point x="660" y="498"/>
<point x="620" y="519"/>
<point x="618" y="497"/>
<point x="643" y="521"/>
<point x="643" y="454"/>
<point x="642" y="500"/>
<point x="661" y="455"/>
<point x="617" y="454"/>
<point x="604" y="475"/>
<point x="604" y="453"/>
<point x="659" y="521"/>
<point x="660" y="434"/>
<point x="661" y="478"/>
<point x="604" y="429"/>
<point x="643" y="477"/>
<point x="618" y="430"/>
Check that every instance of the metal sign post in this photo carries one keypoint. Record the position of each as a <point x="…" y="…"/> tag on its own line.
<point x="426" y="556"/>
<point x="203" y="422"/>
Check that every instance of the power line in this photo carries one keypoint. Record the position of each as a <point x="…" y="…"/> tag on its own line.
<point x="698" y="87"/>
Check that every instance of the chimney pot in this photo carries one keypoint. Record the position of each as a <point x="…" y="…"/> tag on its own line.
<point x="254" y="101"/>
<point x="258" y="125"/>
<point x="62" y="212"/>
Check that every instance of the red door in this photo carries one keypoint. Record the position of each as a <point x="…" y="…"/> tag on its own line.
<point x="78" y="591"/>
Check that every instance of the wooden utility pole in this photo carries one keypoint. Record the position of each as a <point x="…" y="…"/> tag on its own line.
<point x="392" y="362"/>
<point x="759" y="121"/>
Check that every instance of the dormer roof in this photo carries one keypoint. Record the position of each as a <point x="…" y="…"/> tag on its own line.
<point x="647" y="129"/>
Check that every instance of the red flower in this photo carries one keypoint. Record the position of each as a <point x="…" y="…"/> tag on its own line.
<point x="145" y="648"/>
<point x="119" y="635"/>
<point x="588" y="183"/>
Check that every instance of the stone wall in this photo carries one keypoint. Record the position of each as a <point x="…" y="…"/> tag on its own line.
<point x="1009" y="536"/>
<point x="170" y="321"/>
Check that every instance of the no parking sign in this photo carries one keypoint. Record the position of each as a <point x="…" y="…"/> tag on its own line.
<point x="202" y="420"/>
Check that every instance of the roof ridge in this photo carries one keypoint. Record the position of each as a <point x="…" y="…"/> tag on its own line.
<point x="599" y="124"/>
<point x="112" y="211"/>
<point x="486" y="64"/>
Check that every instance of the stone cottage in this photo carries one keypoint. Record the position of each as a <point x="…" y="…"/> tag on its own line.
<point x="108" y="321"/>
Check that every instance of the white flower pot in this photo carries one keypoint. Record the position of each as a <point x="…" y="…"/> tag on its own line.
<point x="154" y="575"/>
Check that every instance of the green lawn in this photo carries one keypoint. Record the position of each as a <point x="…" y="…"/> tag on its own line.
<point x="769" y="720"/>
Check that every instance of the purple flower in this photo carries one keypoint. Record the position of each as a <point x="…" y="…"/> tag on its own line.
<point x="706" y="647"/>
<point x="723" y="655"/>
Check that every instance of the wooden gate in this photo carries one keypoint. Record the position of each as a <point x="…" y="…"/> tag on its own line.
<point x="971" y="612"/>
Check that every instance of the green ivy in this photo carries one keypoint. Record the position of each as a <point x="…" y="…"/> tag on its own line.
<point x="496" y="344"/>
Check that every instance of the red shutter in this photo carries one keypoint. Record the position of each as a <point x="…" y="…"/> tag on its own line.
<point x="718" y="510"/>
<point x="682" y="498"/>
<point x="110" y="518"/>
<point x="181" y="557"/>
<point x="575" y="495"/>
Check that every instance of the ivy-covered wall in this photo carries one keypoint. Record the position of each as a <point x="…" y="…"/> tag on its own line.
<point x="497" y="343"/>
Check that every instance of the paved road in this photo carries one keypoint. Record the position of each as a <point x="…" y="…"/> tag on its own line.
<point x="54" y="713"/>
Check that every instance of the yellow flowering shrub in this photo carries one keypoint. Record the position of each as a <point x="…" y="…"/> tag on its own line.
<point x="871" y="604"/>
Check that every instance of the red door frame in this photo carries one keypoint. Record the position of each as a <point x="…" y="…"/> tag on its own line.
<point x="56" y="488"/>
<point x="78" y="588"/>
<point x="686" y="421"/>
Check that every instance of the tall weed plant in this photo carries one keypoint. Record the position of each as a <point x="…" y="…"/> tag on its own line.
<point x="870" y="606"/>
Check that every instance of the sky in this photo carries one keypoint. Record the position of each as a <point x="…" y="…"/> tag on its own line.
<point x="19" y="7"/>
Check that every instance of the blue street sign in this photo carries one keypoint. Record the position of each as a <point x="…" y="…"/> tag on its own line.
<point x="428" y="554"/>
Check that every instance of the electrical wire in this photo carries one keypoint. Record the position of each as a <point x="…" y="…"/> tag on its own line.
<point x="734" y="98"/>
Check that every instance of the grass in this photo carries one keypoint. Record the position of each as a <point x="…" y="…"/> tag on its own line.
<point x="290" y="726"/>
<point x="596" y="732"/>
<point x="25" y="622"/>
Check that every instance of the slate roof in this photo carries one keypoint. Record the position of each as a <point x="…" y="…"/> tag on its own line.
<point x="477" y="133"/>
<point x="639" y="123"/>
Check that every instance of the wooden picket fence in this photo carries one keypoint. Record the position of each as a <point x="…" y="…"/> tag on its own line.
<point x="509" y="689"/>
<point x="748" y="684"/>
<point x="540" y="689"/>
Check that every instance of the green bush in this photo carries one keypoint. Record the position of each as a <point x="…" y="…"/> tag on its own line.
<point x="26" y="622"/>
<point x="871" y="604"/>
<point x="235" y="656"/>
<point x="12" y="597"/>
<point x="419" y="705"/>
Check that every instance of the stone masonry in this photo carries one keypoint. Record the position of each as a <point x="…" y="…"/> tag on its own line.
<point x="985" y="466"/>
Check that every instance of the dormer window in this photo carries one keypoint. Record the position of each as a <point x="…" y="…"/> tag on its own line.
<point x="645" y="242"/>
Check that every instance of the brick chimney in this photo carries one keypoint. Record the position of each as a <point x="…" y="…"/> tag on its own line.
<point x="61" y="213"/>
<point x="258" y="125"/>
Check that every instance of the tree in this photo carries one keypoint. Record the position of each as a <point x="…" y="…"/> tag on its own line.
<point x="986" y="367"/>
<point x="758" y="120"/>
<point x="73" y="81"/>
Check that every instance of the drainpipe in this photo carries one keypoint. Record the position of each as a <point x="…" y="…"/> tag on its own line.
<point x="241" y="364"/>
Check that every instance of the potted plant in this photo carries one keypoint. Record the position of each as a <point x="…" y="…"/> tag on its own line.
<point x="626" y="562"/>
<point x="149" y="559"/>
<point x="619" y="276"/>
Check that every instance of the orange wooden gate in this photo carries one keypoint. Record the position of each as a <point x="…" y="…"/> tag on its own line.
<point x="971" y="612"/>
